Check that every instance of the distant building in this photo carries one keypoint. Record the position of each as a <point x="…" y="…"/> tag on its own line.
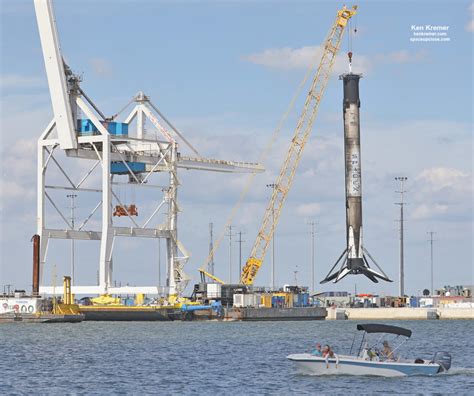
<point x="456" y="291"/>
<point x="334" y="298"/>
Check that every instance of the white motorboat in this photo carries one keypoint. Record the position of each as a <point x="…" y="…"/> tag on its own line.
<point x="369" y="360"/>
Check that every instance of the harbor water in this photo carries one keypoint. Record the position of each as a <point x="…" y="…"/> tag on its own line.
<point x="212" y="358"/>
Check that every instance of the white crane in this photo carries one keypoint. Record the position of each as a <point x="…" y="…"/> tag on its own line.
<point x="109" y="144"/>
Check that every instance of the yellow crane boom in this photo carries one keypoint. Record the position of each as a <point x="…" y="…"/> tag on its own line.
<point x="301" y="135"/>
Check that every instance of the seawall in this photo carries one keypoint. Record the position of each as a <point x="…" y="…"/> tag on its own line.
<point x="399" y="313"/>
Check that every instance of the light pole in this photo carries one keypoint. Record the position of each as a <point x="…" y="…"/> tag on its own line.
<point x="312" y="224"/>
<point x="273" y="186"/>
<point x="230" y="254"/>
<point x="239" y="241"/>
<point x="431" y="240"/>
<point x="72" y="197"/>
<point x="401" y="290"/>
<point x="210" y="266"/>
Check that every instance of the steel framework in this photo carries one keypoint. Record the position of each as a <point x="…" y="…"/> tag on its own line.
<point x="103" y="148"/>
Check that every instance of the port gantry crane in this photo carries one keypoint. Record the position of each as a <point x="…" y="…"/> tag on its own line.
<point x="80" y="131"/>
<point x="298" y="142"/>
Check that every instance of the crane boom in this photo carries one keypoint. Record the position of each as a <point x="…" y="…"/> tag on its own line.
<point x="298" y="142"/>
<point x="56" y="73"/>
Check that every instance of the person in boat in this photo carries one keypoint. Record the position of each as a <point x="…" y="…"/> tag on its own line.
<point x="329" y="353"/>
<point x="317" y="351"/>
<point x="387" y="352"/>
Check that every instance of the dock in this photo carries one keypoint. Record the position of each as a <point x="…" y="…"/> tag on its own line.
<point x="404" y="313"/>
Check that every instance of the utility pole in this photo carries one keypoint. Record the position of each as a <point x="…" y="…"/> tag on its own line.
<point x="273" y="186"/>
<point x="239" y="241"/>
<point x="312" y="224"/>
<point x="431" y="240"/>
<point x="401" y="290"/>
<point x="210" y="265"/>
<point x="72" y="197"/>
<point x="230" y="254"/>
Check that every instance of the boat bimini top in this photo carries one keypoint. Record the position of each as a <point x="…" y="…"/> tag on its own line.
<point x="381" y="328"/>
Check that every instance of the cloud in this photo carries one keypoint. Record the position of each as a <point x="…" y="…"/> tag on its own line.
<point x="440" y="178"/>
<point x="443" y="194"/>
<point x="288" y="58"/>
<point x="428" y="211"/>
<point x="470" y="25"/>
<point x="20" y="81"/>
<point x="16" y="185"/>
<point x="101" y="67"/>
<point x="309" y="209"/>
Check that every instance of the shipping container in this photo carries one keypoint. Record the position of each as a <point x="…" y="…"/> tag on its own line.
<point x="119" y="168"/>
<point x="85" y="127"/>
<point x="246" y="300"/>
<point x="266" y="301"/>
<point x="414" y="302"/>
<point x="214" y="290"/>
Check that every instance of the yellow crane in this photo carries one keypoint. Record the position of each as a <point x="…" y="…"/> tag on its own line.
<point x="298" y="142"/>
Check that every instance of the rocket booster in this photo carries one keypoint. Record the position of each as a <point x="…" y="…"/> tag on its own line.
<point x="354" y="260"/>
<point x="351" y="107"/>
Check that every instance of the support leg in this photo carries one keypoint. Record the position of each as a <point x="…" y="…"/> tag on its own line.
<point x="105" y="263"/>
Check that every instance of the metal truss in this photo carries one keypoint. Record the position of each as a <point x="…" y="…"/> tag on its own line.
<point x="158" y="155"/>
<point x="101" y="150"/>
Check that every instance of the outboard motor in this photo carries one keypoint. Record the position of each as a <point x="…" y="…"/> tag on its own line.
<point x="443" y="359"/>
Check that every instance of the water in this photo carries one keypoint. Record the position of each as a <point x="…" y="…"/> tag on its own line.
<point x="211" y="358"/>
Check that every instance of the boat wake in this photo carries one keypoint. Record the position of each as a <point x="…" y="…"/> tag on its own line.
<point x="469" y="371"/>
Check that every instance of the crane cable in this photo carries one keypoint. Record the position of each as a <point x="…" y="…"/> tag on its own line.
<point x="262" y="159"/>
<point x="350" y="40"/>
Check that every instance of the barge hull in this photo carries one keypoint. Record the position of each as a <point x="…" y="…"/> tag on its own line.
<point x="44" y="318"/>
<point x="273" y="314"/>
<point x="128" y="314"/>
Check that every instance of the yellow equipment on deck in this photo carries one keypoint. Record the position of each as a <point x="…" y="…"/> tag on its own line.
<point x="300" y="138"/>
<point x="205" y="273"/>
<point x="67" y="307"/>
<point x="106" y="299"/>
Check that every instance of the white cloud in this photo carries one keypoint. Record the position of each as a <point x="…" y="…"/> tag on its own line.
<point x="470" y="25"/>
<point x="20" y="81"/>
<point x="440" y="178"/>
<point x="11" y="189"/>
<point x="428" y="211"/>
<point x="442" y="194"/>
<point x="309" y="209"/>
<point x="287" y="58"/>
<point x="101" y="67"/>
<point x="16" y="185"/>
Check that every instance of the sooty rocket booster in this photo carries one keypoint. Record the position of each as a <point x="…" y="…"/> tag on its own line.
<point x="354" y="257"/>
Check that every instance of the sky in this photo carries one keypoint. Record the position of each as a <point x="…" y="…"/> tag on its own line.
<point x="224" y="73"/>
